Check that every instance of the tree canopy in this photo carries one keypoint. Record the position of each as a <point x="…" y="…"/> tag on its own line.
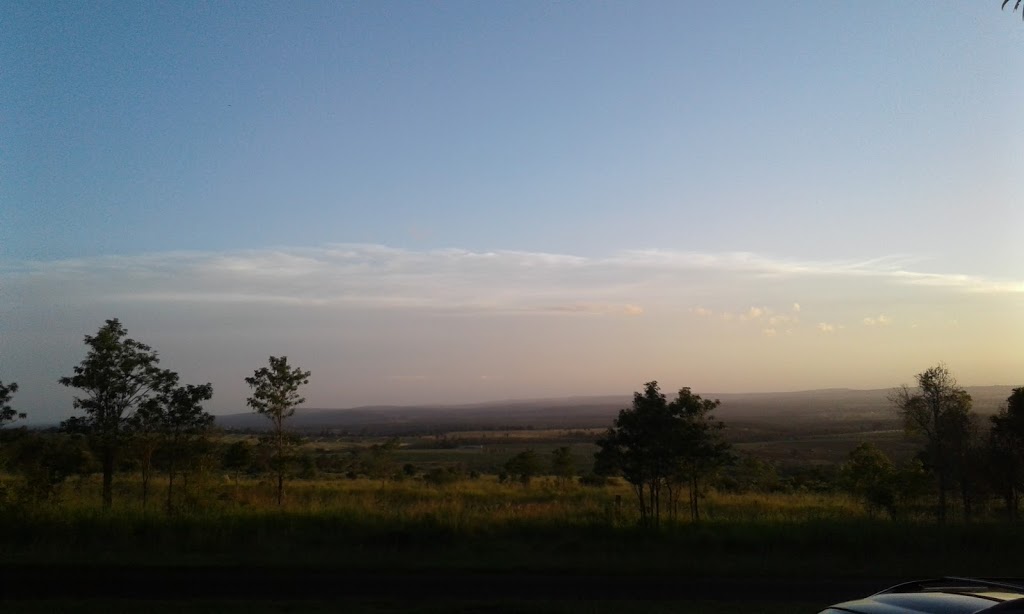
<point x="662" y="448"/>
<point x="276" y="395"/>
<point x="8" y="413"/>
<point x="117" y="376"/>
<point x="939" y="410"/>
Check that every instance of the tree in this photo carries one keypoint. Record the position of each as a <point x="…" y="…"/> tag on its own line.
<point x="146" y="438"/>
<point x="1006" y="445"/>
<point x="524" y="466"/>
<point x="45" y="460"/>
<point x="869" y="475"/>
<point x="940" y="411"/>
<point x="276" y="395"/>
<point x="171" y="420"/>
<point x="238" y="457"/>
<point x="562" y="465"/>
<point x="659" y="446"/>
<point x="376" y="461"/>
<point x="118" y="375"/>
<point x="702" y="448"/>
<point x="7" y="413"/>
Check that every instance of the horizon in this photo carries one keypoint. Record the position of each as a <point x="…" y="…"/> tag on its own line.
<point x="461" y="201"/>
<point x="625" y="397"/>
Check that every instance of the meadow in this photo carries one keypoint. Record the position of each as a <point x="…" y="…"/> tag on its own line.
<point x="797" y="531"/>
<point x="483" y="525"/>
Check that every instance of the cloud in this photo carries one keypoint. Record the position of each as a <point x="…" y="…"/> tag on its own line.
<point x="701" y="311"/>
<point x="633" y="310"/>
<point x="754" y="313"/>
<point x="381" y="277"/>
<point x="769" y="332"/>
<point x="781" y="319"/>
<point x="894" y="268"/>
<point x="881" y="320"/>
<point x="827" y="328"/>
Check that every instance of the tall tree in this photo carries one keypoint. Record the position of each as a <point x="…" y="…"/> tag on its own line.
<point x="1007" y="451"/>
<point x="276" y="395"/>
<point x="117" y="376"/>
<point x="563" y="467"/>
<point x="171" y="420"/>
<point x="940" y="411"/>
<point x="702" y="448"/>
<point x="659" y="446"/>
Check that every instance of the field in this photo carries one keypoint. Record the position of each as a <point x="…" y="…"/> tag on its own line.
<point x="480" y="544"/>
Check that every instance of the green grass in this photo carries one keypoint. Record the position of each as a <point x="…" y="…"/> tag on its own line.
<point x="482" y="525"/>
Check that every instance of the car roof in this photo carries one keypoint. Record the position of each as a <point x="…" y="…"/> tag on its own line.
<point x="949" y="595"/>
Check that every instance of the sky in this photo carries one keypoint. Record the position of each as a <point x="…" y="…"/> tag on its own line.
<point x="453" y="202"/>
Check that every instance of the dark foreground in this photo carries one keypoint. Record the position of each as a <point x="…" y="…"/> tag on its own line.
<point x="28" y="588"/>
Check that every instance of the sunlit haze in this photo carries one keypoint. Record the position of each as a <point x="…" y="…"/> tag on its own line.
<point x="463" y="201"/>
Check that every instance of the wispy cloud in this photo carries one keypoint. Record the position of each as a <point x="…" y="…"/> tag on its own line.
<point x="881" y="320"/>
<point x="827" y="328"/>
<point x="376" y="276"/>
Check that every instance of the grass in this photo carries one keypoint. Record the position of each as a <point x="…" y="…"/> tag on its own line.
<point x="482" y="525"/>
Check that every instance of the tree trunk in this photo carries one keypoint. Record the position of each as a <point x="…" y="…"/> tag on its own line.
<point x="965" y="495"/>
<point x="943" y="487"/>
<point x="108" y="476"/>
<point x="170" y="484"/>
<point x="694" y="499"/>
<point x="145" y="482"/>
<point x="280" y="463"/>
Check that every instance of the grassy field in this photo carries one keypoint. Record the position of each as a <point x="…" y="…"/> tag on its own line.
<point x="479" y="525"/>
<point x="483" y="525"/>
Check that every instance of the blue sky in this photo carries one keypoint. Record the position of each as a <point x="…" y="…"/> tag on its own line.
<point x="400" y="195"/>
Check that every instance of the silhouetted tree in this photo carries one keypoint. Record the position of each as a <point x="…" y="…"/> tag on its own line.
<point x="524" y="466"/>
<point x="1006" y="444"/>
<point x="1016" y="5"/>
<point x="940" y="411"/>
<point x="238" y="457"/>
<point x="176" y="414"/>
<point x="7" y="413"/>
<point x="118" y="375"/>
<point x="659" y="446"/>
<point x="145" y="426"/>
<point x="45" y="460"/>
<point x="562" y="465"/>
<point x="276" y="395"/>
<point x="869" y="475"/>
<point x="702" y="448"/>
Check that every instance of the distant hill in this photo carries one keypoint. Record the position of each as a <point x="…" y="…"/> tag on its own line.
<point x="835" y="404"/>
